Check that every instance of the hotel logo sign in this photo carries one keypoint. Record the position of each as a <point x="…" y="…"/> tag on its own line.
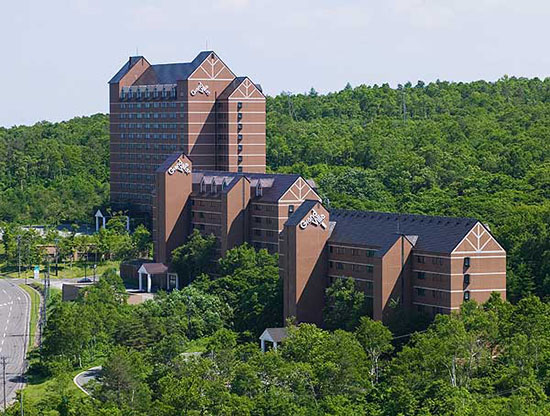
<point x="314" y="218"/>
<point x="180" y="166"/>
<point x="201" y="89"/>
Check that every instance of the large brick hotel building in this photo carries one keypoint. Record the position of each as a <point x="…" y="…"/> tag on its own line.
<point x="428" y="263"/>
<point x="200" y="108"/>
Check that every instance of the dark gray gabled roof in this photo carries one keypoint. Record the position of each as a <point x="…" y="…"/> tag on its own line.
<point x="301" y="212"/>
<point x="381" y="230"/>
<point x="169" y="161"/>
<point x="279" y="183"/>
<point x="162" y="73"/>
<point x="125" y="68"/>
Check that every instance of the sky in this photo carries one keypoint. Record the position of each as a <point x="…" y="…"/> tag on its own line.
<point x="58" y="55"/>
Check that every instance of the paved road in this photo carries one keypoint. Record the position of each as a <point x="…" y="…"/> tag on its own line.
<point x="81" y="379"/>
<point x="55" y="283"/>
<point x="14" y="325"/>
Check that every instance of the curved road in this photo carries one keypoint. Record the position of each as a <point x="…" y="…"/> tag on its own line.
<point x="14" y="325"/>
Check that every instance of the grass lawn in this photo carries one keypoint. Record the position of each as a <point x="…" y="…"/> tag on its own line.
<point x="35" y="311"/>
<point x="38" y="389"/>
<point x="65" y="272"/>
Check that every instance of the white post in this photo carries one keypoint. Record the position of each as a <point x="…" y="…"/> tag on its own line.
<point x="263" y="345"/>
<point x="177" y="281"/>
<point x="103" y="222"/>
<point x="140" y="282"/>
<point x="167" y="281"/>
<point x="128" y="223"/>
<point x="275" y="345"/>
<point x="96" y="224"/>
<point x="148" y="283"/>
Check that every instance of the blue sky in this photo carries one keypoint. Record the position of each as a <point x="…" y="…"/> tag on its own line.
<point x="58" y="55"/>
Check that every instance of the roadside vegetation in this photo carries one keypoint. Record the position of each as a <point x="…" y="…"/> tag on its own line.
<point x="34" y="313"/>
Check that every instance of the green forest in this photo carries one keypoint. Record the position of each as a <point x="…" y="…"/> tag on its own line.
<point x="477" y="149"/>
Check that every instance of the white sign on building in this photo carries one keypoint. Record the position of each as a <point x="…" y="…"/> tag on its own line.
<point x="314" y="218"/>
<point x="180" y="166"/>
<point x="201" y="89"/>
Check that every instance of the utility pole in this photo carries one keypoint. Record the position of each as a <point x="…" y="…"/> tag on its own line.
<point x="4" y="377"/>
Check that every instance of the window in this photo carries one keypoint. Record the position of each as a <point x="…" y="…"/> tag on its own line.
<point x="339" y="266"/>
<point x="357" y="267"/>
<point x="420" y="291"/>
<point x="240" y="147"/>
<point x="354" y="252"/>
<point x="240" y="116"/>
<point x="201" y="214"/>
<point x="257" y="219"/>
<point x="239" y="137"/>
<point x="467" y="295"/>
<point x="259" y="190"/>
<point x="331" y="264"/>
<point x="466" y="261"/>
<point x="240" y="159"/>
<point x="370" y="253"/>
<point x="239" y="126"/>
<point x="420" y="259"/>
<point x="239" y="105"/>
<point x="421" y="275"/>
<point x="269" y="233"/>
<point x="331" y="249"/>
<point x="240" y="169"/>
<point x="466" y="279"/>
<point x="370" y="268"/>
<point x="437" y="260"/>
<point x="268" y="220"/>
<point x="258" y="232"/>
<point x="290" y="209"/>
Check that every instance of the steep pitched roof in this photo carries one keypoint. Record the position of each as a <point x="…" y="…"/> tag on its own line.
<point x="125" y="68"/>
<point x="162" y="73"/>
<point x="379" y="229"/>
<point x="233" y="85"/>
<point x="301" y="212"/>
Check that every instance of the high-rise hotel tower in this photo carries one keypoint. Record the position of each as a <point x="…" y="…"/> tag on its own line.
<point x="200" y="108"/>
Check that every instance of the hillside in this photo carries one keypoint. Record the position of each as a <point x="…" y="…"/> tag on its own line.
<point x="467" y="149"/>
